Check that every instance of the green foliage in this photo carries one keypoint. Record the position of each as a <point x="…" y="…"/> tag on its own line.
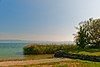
<point x="89" y="53"/>
<point x="46" y="48"/>
<point x="81" y="55"/>
<point x="88" y="33"/>
<point x="81" y="38"/>
<point x="60" y="54"/>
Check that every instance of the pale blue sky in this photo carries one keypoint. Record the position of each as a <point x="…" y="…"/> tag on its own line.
<point x="44" y="19"/>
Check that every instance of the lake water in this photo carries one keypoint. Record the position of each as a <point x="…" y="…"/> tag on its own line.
<point x="11" y="50"/>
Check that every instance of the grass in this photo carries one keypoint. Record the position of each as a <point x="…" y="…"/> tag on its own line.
<point x="90" y="53"/>
<point x="37" y="57"/>
<point x="31" y="57"/>
<point x="72" y="63"/>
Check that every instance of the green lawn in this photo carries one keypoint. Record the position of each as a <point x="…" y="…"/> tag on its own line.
<point x="93" y="52"/>
<point x="90" y="53"/>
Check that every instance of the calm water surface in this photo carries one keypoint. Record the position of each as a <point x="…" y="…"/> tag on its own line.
<point x="11" y="50"/>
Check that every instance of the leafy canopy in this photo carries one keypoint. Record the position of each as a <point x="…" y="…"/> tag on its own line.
<point x="88" y="33"/>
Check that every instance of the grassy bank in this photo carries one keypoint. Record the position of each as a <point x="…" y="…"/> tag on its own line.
<point x="33" y="49"/>
<point x="30" y="57"/>
<point x="68" y="63"/>
<point x="72" y="63"/>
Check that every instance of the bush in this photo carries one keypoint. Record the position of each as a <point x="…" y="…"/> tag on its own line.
<point x="60" y="53"/>
<point x="77" y="56"/>
<point x="46" y="48"/>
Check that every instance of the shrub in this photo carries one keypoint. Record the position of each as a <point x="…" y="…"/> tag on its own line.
<point x="77" y="56"/>
<point x="60" y="53"/>
<point x="46" y="48"/>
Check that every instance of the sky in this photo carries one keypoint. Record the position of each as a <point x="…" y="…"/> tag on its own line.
<point x="47" y="20"/>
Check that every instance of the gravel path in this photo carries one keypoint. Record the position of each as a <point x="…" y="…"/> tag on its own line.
<point x="29" y="62"/>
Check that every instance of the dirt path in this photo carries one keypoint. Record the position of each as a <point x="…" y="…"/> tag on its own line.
<point x="29" y="62"/>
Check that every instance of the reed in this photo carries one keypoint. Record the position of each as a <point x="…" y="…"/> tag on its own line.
<point x="32" y="49"/>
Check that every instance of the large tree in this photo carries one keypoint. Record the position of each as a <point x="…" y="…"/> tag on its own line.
<point x="88" y="33"/>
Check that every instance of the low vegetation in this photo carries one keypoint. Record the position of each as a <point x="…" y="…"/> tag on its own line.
<point x="71" y="63"/>
<point x="88" y="33"/>
<point x="35" y="49"/>
<point x="66" y="51"/>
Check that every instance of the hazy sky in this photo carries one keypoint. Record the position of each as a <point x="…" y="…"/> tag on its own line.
<point x="44" y="19"/>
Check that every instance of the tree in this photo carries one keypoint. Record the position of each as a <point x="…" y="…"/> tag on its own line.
<point x="81" y="37"/>
<point x="88" y="33"/>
